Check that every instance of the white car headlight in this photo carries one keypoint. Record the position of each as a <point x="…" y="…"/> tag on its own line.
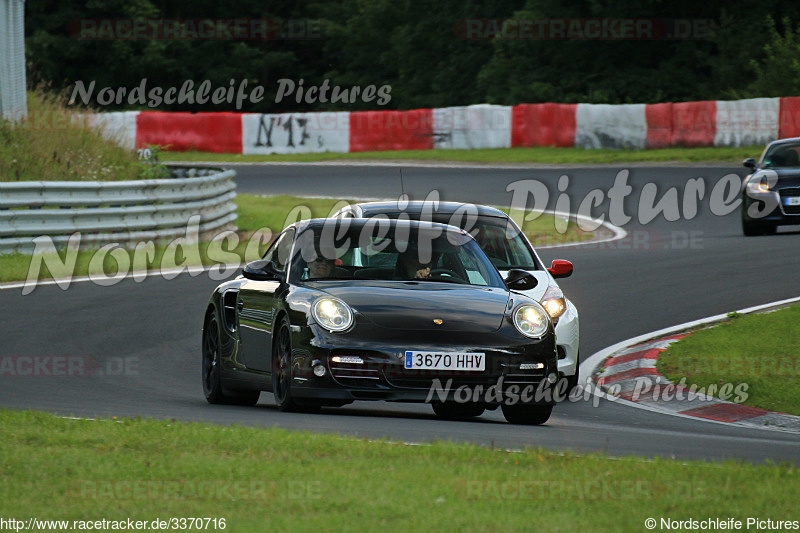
<point x="553" y="302"/>
<point x="332" y="314"/>
<point x="531" y="320"/>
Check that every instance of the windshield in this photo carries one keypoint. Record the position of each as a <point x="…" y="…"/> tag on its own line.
<point x="784" y="155"/>
<point x="385" y="252"/>
<point x="505" y="249"/>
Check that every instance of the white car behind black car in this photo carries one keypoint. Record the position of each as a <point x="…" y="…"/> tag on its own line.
<point x="507" y="247"/>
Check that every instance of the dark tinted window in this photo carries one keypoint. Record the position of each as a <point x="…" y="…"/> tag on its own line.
<point x="783" y="155"/>
<point x="402" y="254"/>
<point x="279" y="252"/>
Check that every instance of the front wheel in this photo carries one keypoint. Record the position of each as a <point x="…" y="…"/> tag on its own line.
<point x="282" y="373"/>
<point x="754" y="229"/>
<point x="526" y="414"/>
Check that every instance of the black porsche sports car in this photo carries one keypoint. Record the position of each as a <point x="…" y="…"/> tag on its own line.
<point x="340" y="310"/>
<point x="771" y="193"/>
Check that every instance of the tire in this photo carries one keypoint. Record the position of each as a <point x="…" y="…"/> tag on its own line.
<point x="212" y="370"/>
<point x="572" y="382"/>
<point x="754" y="229"/>
<point x="458" y="411"/>
<point x="282" y="373"/>
<point x="526" y="414"/>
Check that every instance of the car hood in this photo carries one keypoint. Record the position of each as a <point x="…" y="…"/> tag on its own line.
<point x="415" y="305"/>
<point x="788" y="178"/>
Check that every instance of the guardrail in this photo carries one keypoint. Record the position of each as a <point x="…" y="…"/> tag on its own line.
<point x="115" y="212"/>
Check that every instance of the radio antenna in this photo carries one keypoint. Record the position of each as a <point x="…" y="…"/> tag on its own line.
<point x="402" y="186"/>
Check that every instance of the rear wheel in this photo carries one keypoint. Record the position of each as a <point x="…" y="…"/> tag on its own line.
<point x="457" y="411"/>
<point x="282" y="373"/>
<point x="526" y="414"/>
<point x="212" y="370"/>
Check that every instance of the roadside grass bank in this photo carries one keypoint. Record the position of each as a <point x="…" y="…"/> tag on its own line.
<point x="254" y="213"/>
<point x="56" y="468"/>
<point x="540" y="155"/>
<point x="54" y="144"/>
<point x="760" y="349"/>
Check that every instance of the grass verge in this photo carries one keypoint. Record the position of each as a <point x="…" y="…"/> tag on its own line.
<point x="762" y="350"/>
<point x="542" y="155"/>
<point x="255" y="213"/>
<point x="55" y="144"/>
<point x="65" y="469"/>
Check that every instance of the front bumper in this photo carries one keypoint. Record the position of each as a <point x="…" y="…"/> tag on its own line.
<point x="380" y="374"/>
<point x="781" y="214"/>
<point x="568" y="341"/>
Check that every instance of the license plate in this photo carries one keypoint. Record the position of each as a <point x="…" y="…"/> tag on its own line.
<point x="445" y="361"/>
<point x="791" y="200"/>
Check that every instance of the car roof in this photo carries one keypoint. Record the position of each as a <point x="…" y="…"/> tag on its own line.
<point x="785" y="141"/>
<point x="369" y="209"/>
<point x="361" y="222"/>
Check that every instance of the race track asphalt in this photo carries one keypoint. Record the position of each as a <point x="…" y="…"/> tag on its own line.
<point x="144" y="337"/>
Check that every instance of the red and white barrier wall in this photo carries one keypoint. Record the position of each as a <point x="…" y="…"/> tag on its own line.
<point x="754" y="121"/>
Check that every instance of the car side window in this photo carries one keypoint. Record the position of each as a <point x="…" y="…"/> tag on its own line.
<point x="280" y="250"/>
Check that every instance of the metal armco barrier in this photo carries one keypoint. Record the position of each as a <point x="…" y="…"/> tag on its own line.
<point x="115" y="212"/>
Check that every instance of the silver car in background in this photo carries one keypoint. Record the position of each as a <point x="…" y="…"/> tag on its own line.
<point x="507" y="247"/>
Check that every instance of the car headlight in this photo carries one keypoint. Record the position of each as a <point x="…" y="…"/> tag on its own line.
<point x="758" y="185"/>
<point x="531" y="320"/>
<point x="332" y="314"/>
<point x="553" y="302"/>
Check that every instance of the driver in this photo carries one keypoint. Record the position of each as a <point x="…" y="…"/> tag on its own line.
<point x="321" y="268"/>
<point x="411" y="267"/>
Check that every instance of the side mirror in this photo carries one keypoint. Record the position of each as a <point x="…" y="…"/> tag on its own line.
<point x="261" y="270"/>
<point x="749" y="163"/>
<point x="520" y="280"/>
<point x="560" y="268"/>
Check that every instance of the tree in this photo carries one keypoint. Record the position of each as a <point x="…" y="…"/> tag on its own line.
<point x="778" y="73"/>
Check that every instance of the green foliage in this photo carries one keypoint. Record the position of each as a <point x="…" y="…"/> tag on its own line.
<point x="271" y="479"/>
<point x="57" y="144"/>
<point x="416" y="48"/>
<point x="537" y="154"/>
<point x="151" y="165"/>
<point x="778" y="74"/>
<point x="761" y="350"/>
